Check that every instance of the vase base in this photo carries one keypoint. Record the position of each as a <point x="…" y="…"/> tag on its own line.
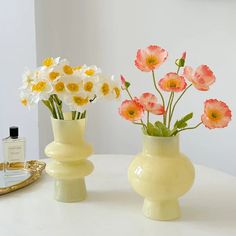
<point x="70" y="190"/>
<point x="161" y="210"/>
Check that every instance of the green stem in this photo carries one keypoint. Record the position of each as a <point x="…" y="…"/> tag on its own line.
<point x="53" y="107"/>
<point x="171" y="102"/>
<point x="73" y="115"/>
<point x="83" y="115"/>
<point x="78" y="116"/>
<point x="178" y="70"/>
<point x="172" y="112"/>
<point x="162" y="98"/>
<point x="168" y="104"/>
<point x="136" y="123"/>
<point x="58" y="106"/>
<point x="48" y="105"/>
<point x="147" y="117"/>
<point x="193" y="127"/>
<point x="127" y="90"/>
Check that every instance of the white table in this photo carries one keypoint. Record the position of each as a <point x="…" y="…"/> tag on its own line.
<point x="113" y="209"/>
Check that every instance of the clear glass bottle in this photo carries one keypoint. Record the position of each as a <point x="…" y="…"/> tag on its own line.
<point x="14" y="153"/>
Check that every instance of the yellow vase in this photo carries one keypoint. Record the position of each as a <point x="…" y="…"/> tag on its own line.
<point x="161" y="174"/>
<point x="69" y="165"/>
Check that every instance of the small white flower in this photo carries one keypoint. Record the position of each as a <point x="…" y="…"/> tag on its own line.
<point x="89" y="86"/>
<point x="91" y="71"/>
<point x="107" y="88"/>
<point x="77" y="102"/>
<point x="73" y="84"/>
<point x="26" y="98"/>
<point x="116" y="89"/>
<point x="41" y="89"/>
<point x="59" y="88"/>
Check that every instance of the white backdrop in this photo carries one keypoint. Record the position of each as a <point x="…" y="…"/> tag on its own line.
<point x="108" y="33"/>
<point x="17" y="50"/>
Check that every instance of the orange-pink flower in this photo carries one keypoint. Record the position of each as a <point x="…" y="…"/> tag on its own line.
<point x="216" y="114"/>
<point x="201" y="78"/>
<point x="131" y="110"/>
<point x="150" y="58"/>
<point x="149" y="103"/>
<point x="172" y="82"/>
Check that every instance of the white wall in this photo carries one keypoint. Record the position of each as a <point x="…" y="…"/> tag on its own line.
<point x="17" y="50"/>
<point x="108" y="33"/>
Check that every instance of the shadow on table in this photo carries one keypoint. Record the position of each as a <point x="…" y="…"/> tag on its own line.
<point x="113" y="197"/>
<point x="213" y="208"/>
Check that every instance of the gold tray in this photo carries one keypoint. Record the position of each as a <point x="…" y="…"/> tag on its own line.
<point x="34" y="168"/>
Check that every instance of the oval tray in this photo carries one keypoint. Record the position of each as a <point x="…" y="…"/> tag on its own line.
<point x="34" y="167"/>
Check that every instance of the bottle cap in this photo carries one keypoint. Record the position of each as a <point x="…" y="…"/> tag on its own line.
<point x="14" y="132"/>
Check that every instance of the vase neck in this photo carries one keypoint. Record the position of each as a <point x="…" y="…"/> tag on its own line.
<point x="68" y="131"/>
<point x="165" y="146"/>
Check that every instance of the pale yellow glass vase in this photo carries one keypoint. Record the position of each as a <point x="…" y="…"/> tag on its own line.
<point x="161" y="174"/>
<point x="69" y="165"/>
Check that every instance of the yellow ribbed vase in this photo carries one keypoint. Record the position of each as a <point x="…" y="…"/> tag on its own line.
<point x="161" y="174"/>
<point x="69" y="165"/>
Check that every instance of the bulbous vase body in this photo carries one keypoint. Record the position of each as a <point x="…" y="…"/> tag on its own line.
<point x="161" y="174"/>
<point x="69" y="165"/>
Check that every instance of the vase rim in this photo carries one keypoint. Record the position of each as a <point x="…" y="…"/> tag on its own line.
<point x="159" y="137"/>
<point x="52" y="118"/>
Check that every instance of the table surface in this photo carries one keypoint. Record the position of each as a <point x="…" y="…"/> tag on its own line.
<point x="113" y="208"/>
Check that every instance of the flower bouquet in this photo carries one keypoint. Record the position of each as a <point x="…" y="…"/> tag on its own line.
<point x="216" y="113"/>
<point x="161" y="173"/>
<point x="57" y="83"/>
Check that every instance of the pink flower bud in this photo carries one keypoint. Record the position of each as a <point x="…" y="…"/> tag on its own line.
<point x="183" y="55"/>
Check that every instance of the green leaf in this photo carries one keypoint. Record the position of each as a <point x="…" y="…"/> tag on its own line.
<point x="153" y="131"/>
<point x="127" y="84"/>
<point x="180" y="62"/>
<point x="163" y="129"/>
<point x="182" y="123"/>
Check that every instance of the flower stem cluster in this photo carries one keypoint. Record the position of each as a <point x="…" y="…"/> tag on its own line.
<point x="216" y="113"/>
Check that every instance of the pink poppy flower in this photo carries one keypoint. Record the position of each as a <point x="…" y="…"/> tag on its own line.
<point x="150" y="58"/>
<point x="155" y="108"/>
<point x="172" y="82"/>
<point x="216" y="114"/>
<point x="201" y="78"/>
<point x="149" y="102"/>
<point x="131" y="110"/>
<point x="122" y="78"/>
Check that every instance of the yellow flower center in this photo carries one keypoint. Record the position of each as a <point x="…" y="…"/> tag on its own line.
<point x="68" y="70"/>
<point x="39" y="87"/>
<point x="90" y="72"/>
<point x="48" y="61"/>
<point x="117" y="92"/>
<point x="77" y="67"/>
<point x="88" y="86"/>
<point x="24" y="102"/>
<point x="73" y="87"/>
<point x="80" y="101"/>
<point x="214" y="115"/>
<point x="105" y="89"/>
<point x="131" y="113"/>
<point x="59" y="87"/>
<point x="172" y="84"/>
<point x="151" y="60"/>
<point x="53" y="75"/>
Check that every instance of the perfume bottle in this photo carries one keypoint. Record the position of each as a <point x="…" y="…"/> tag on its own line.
<point x="14" y="153"/>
